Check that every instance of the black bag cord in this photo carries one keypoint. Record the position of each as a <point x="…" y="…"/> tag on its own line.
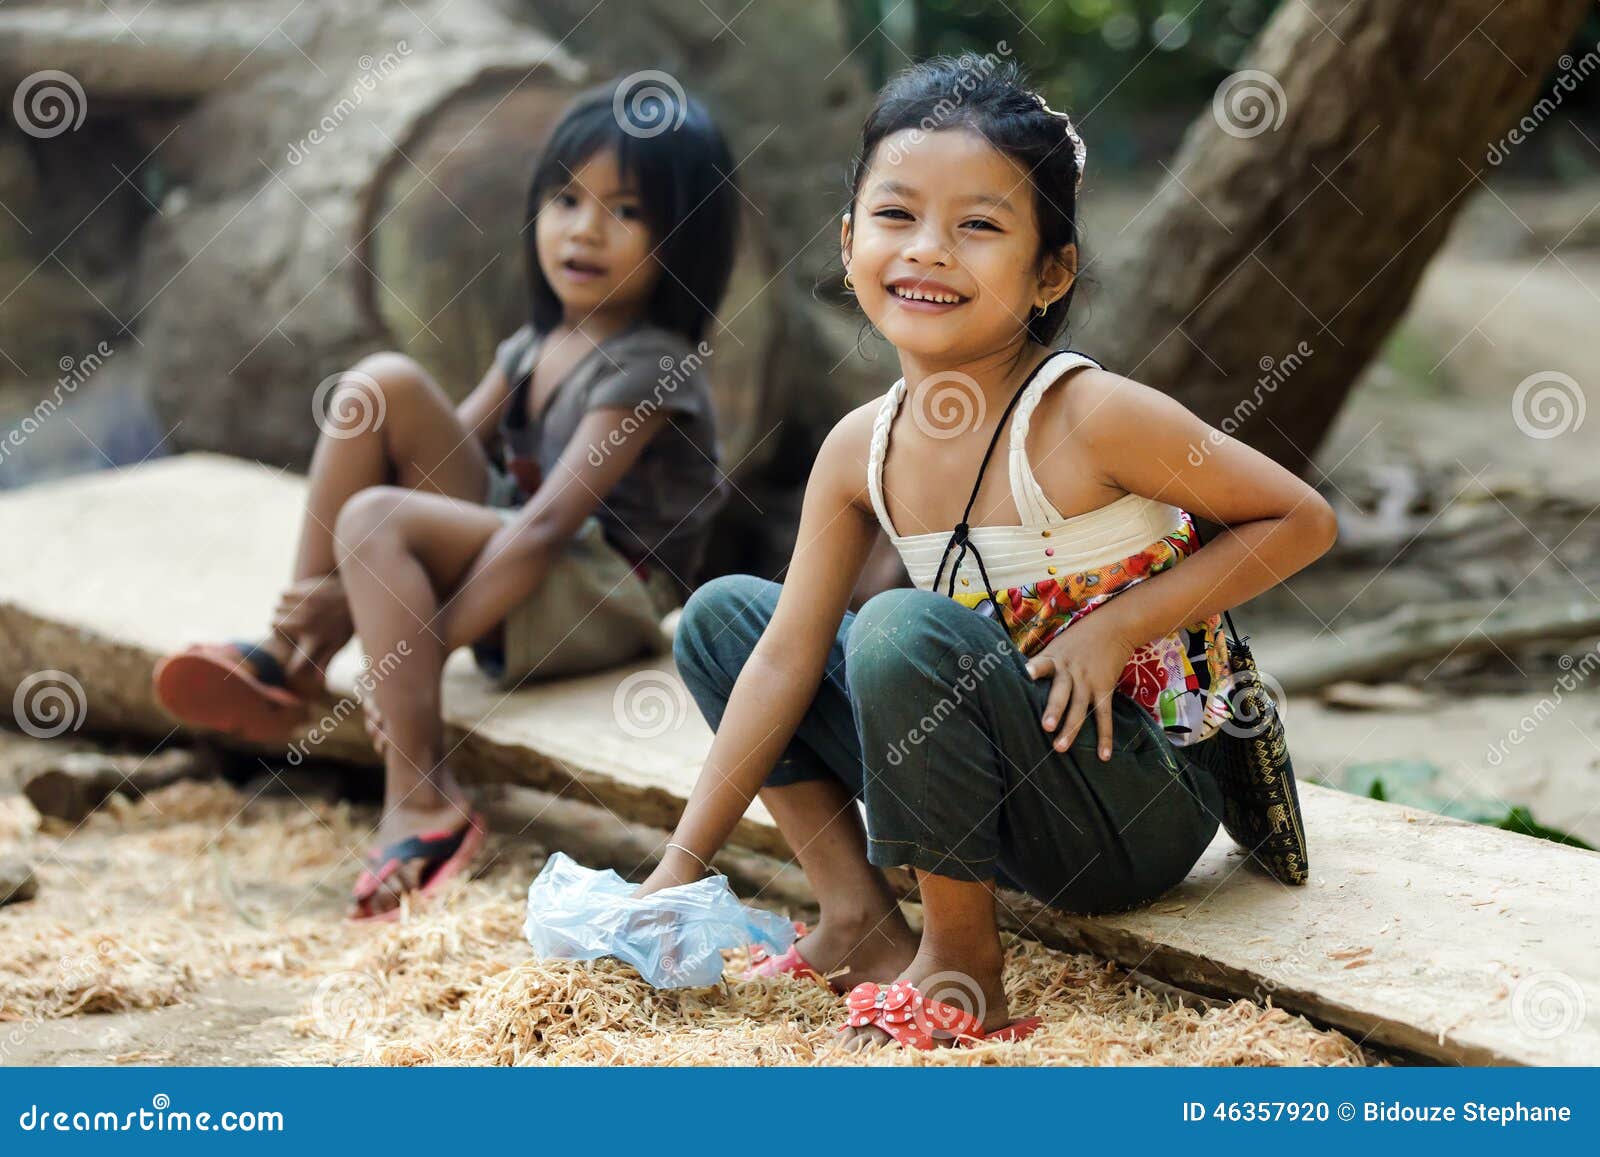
<point x="959" y="536"/>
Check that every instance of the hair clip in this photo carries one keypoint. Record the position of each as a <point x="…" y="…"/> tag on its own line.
<point x="1080" y="152"/>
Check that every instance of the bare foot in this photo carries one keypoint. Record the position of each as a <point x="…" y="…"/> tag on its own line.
<point x="971" y="985"/>
<point x="847" y="950"/>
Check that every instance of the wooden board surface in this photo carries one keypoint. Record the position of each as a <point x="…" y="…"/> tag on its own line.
<point x="1448" y="939"/>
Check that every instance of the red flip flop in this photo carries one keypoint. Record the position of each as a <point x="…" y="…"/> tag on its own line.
<point x="445" y="854"/>
<point x="230" y="687"/>
<point x="789" y="963"/>
<point x="913" y="1020"/>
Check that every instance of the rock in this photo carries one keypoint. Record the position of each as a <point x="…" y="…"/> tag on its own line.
<point x="70" y="786"/>
<point x="17" y="882"/>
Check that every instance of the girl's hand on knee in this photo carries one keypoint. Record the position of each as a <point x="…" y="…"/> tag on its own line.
<point x="312" y="606"/>
<point x="1084" y="663"/>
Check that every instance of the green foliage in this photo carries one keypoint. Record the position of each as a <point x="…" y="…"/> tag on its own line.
<point x="1414" y="783"/>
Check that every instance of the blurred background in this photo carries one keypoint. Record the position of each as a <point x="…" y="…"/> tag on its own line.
<point x="1361" y="236"/>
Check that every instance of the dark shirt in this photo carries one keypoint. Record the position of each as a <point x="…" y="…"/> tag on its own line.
<point x="660" y="511"/>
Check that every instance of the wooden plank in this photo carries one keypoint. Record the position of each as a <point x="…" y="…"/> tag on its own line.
<point x="1451" y="940"/>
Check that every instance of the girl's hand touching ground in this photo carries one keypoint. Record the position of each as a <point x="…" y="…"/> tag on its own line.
<point x="1084" y="663"/>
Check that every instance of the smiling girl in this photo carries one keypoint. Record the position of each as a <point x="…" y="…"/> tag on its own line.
<point x="550" y="520"/>
<point x="994" y="728"/>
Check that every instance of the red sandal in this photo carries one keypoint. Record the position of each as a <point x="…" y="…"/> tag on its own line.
<point x="237" y="688"/>
<point x="445" y="854"/>
<point x="790" y="963"/>
<point x="915" y="1021"/>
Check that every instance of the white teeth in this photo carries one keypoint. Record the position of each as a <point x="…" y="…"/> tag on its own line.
<point x="919" y="295"/>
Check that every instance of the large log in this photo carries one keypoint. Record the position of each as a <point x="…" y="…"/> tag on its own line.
<point x="1305" y="205"/>
<point x="1456" y="941"/>
<point x="156" y="55"/>
<point x="357" y="180"/>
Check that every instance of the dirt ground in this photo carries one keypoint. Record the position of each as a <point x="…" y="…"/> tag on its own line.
<point x="202" y="925"/>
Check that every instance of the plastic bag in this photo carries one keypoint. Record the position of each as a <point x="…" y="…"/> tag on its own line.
<point x="674" y="937"/>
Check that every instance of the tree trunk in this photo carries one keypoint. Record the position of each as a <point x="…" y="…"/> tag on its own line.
<point x="1304" y="207"/>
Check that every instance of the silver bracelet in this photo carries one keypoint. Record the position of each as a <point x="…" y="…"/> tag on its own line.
<point x="694" y="857"/>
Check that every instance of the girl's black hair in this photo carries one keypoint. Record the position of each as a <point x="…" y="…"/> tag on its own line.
<point x="670" y="148"/>
<point x="991" y="97"/>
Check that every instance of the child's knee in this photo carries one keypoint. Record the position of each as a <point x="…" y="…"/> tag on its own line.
<point x="901" y="633"/>
<point x="377" y="384"/>
<point x="709" y="614"/>
<point x="363" y="513"/>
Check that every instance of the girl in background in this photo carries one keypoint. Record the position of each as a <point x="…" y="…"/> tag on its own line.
<point x="1037" y="709"/>
<point x="549" y="521"/>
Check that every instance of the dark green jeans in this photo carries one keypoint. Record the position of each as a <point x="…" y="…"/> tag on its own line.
<point x="927" y="713"/>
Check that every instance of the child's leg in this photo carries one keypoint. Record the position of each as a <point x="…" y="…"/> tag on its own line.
<point x="962" y="783"/>
<point x="861" y="934"/>
<point x="401" y="553"/>
<point x="813" y="790"/>
<point x="388" y="422"/>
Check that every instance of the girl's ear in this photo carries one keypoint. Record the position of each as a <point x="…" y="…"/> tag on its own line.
<point x="1059" y="270"/>
<point x="844" y="238"/>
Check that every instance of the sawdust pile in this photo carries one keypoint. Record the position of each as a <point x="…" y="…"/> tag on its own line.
<point x="146" y="902"/>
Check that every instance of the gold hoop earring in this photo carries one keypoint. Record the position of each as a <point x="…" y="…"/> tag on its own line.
<point x="848" y="284"/>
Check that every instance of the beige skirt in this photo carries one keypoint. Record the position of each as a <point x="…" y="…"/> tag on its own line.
<point x="591" y="612"/>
